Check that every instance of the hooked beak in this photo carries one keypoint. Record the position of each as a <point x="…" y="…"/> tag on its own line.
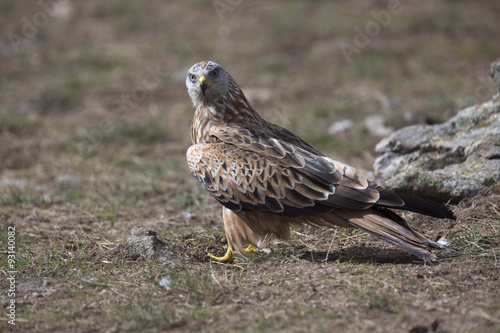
<point x="203" y="85"/>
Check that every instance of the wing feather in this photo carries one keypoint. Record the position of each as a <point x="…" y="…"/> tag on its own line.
<point x="245" y="170"/>
<point x="329" y="182"/>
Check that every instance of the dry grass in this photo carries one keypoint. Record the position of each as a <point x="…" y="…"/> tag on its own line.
<point x="80" y="166"/>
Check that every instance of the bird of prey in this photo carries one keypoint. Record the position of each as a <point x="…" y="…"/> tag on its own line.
<point x="267" y="178"/>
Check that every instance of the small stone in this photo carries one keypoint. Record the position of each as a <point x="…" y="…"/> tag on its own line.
<point x="67" y="179"/>
<point x="165" y="283"/>
<point x="375" y="125"/>
<point x="341" y="126"/>
<point x="146" y="243"/>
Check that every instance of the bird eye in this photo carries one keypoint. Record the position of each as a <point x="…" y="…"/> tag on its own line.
<point x="192" y="77"/>
<point x="215" y="72"/>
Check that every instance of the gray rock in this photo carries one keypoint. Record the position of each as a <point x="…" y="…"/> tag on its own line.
<point x="375" y="125"/>
<point x="495" y="71"/>
<point x="449" y="161"/>
<point x="341" y="126"/>
<point x="146" y="243"/>
<point x="67" y="180"/>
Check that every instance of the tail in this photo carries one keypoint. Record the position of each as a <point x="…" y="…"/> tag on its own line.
<point x="390" y="199"/>
<point x="388" y="226"/>
<point x="426" y="206"/>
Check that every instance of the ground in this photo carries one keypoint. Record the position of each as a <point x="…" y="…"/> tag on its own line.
<point x="94" y="126"/>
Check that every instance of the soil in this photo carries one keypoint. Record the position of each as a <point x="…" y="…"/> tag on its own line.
<point x="94" y="126"/>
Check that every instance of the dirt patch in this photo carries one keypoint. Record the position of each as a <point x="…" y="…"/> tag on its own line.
<point x="91" y="147"/>
<point x="71" y="281"/>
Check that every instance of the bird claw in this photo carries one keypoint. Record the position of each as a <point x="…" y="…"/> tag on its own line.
<point x="251" y="249"/>
<point x="228" y="257"/>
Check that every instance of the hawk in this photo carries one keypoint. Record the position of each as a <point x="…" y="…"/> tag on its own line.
<point x="267" y="178"/>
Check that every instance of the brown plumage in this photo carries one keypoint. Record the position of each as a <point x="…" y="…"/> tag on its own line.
<point x="268" y="178"/>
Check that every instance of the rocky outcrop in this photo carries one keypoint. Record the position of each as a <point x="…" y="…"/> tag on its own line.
<point x="445" y="162"/>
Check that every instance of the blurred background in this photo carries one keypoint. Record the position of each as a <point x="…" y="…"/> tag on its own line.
<point x="94" y="110"/>
<point x="94" y="127"/>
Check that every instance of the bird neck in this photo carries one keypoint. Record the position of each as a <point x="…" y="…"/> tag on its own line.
<point x="231" y="109"/>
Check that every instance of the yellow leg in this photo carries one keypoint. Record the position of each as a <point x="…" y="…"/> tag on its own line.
<point x="228" y="257"/>
<point x="250" y="248"/>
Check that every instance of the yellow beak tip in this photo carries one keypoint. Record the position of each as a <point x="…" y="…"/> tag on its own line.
<point x="203" y="83"/>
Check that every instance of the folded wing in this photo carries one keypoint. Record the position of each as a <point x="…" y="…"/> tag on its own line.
<point x="247" y="170"/>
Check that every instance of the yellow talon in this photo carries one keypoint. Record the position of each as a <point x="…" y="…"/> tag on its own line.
<point x="250" y="248"/>
<point x="228" y="257"/>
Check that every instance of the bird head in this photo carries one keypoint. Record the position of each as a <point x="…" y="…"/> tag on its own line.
<point x="206" y="82"/>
